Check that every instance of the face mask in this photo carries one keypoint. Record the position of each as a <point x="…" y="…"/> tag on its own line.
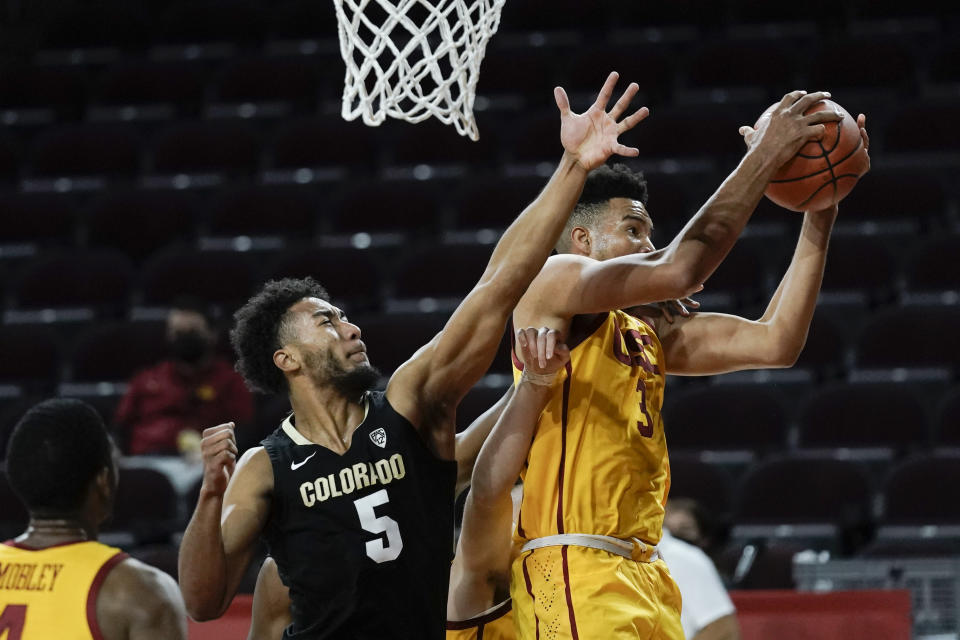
<point x="188" y="346"/>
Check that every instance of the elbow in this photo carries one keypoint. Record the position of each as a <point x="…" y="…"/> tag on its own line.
<point x="202" y="612"/>
<point x="785" y="356"/>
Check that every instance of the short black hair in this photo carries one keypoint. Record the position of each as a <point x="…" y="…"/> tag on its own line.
<point x="257" y="325"/>
<point x="613" y="181"/>
<point x="56" y="450"/>
<point x="603" y="183"/>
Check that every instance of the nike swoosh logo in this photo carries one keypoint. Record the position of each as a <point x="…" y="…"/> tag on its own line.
<point x="296" y="465"/>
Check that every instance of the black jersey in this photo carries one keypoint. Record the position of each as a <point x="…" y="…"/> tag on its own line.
<point x="364" y="540"/>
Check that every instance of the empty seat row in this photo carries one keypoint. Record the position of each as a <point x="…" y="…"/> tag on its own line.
<point x="818" y="489"/>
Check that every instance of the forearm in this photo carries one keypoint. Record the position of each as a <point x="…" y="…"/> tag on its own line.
<point x="791" y="309"/>
<point x="503" y="454"/>
<point x="202" y="561"/>
<point x="528" y="241"/>
<point x="470" y="440"/>
<point x="708" y="237"/>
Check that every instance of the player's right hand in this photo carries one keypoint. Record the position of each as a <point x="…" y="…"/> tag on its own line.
<point x="218" y="449"/>
<point x="784" y="128"/>
<point x="541" y="350"/>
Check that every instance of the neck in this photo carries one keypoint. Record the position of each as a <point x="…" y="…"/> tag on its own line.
<point x="325" y="416"/>
<point x="45" y="531"/>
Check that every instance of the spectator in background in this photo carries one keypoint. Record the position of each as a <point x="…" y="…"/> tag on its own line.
<point x="707" y="612"/>
<point x="167" y="405"/>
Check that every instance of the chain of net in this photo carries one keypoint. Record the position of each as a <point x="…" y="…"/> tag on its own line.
<point x="413" y="59"/>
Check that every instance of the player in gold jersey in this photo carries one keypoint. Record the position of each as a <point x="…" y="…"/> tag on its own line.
<point x="56" y="580"/>
<point x="597" y="474"/>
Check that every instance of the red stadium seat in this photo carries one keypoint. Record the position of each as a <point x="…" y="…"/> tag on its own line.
<point x="354" y="276"/>
<point x="28" y="86"/>
<point x="723" y="417"/>
<point x="494" y="202"/>
<point x="140" y="222"/>
<point x="760" y="564"/>
<point x="392" y="339"/>
<point x="13" y="515"/>
<point x="690" y="132"/>
<point x="288" y="210"/>
<point x="220" y="277"/>
<point x="29" y="355"/>
<point x="650" y="65"/>
<point x="518" y="72"/>
<point x="933" y="265"/>
<point x="795" y="490"/>
<point x="944" y="67"/>
<point x="475" y="403"/>
<point x="114" y="351"/>
<point x="9" y="161"/>
<point x="324" y="142"/>
<point x="79" y="27"/>
<point x="39" y="218"/>
<point x="302" y="20"/>
<point x="387" y="206"/>
<point x="140" y="82"/>
<point x="863" y="415"/>
<point x="923" y="127"/>
<point x="148" y="520"/>
<point x="86" y="150"/>
<point x="709" y="484"/>
<point x="886" y="196"/>
<point x="206" y="22"/>
<point x="11" y="410"/>
<point x="195" y="147"/>
<point x="741" y="274"/>
<point x="447" y="271"/>
<point x="826" y="347"/>
<point x="434" y="143"/>
<point x="912" y="336"/>
<point x="917" y="492"/>
<point x="860" y="265"/>
<point x="78" y="278"/>
<point x="948" y="420"/>
<point x="841" y="65"/>
<point x="293" y="80"/>
<point x="765" y="65"/>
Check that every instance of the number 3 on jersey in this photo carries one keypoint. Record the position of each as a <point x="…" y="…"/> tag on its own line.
<point x="376" y="549"/>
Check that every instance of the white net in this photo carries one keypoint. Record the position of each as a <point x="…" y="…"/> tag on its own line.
<point x="413" y="59"/>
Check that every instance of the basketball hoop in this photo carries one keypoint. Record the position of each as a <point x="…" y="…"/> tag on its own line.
<point x="413" y="59"/>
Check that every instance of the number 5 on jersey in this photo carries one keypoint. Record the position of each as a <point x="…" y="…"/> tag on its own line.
<point x="376" y="549"/>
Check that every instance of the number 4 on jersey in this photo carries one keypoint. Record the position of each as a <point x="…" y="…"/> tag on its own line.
<point x="12" y="619"/>
<point x="376" y="549"/>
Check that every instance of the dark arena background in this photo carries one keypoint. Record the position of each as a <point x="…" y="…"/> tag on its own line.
<point x="152" y="149"/>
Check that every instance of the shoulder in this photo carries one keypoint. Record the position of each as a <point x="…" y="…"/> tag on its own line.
<point x="133" y="589"/>
<point x="255" y="461"/>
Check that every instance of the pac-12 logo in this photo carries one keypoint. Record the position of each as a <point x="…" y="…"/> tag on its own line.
<point x="379" y="437"/>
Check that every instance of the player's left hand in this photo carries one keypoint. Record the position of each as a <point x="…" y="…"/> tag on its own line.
<point x="541" y="350"/>
<point x="591" y="136"/>
<point x="862" y="123"/>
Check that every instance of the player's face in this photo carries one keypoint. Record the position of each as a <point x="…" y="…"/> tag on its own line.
<point x="329" y="345"/>
<point x="625" y="229"/>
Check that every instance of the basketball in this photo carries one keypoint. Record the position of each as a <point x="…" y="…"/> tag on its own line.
<point x="824" y="171"/>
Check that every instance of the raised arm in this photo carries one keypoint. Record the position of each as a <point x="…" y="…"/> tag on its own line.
<point x="572" y="284"/>
<point x="469" y="441"/>
<point x="710" y="343"/>
<point x="483" y="551"/>
<point x="231" y="512"/>
<point x="428" y="387"/>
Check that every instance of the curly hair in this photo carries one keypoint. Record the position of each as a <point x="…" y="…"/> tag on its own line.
<point x="603" y="183"/>
<point x="258" y="325"/>
<point x="57" y="449"/>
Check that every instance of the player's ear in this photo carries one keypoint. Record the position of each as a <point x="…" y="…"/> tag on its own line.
<point x="286" y="359"/>
<point x="580" y="241"/>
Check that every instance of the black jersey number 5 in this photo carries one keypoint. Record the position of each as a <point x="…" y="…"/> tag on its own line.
<point x="376" y="549"/>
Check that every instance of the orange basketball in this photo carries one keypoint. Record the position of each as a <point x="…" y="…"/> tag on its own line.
<point x="824" y="171"/>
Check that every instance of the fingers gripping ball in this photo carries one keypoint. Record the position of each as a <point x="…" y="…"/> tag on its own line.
<point x="824" y="171"/>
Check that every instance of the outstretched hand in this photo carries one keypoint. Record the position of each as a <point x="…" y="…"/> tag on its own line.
<point x="541" y="352"/>
<point x="591" y="136"/>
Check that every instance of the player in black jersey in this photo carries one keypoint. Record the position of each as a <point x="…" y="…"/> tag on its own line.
<point x="354" y="493"/>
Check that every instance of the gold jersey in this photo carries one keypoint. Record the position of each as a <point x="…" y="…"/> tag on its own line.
<point x="52" y="592"/>
<point x="598" y="462"/>
<point x="495" y="624"/>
